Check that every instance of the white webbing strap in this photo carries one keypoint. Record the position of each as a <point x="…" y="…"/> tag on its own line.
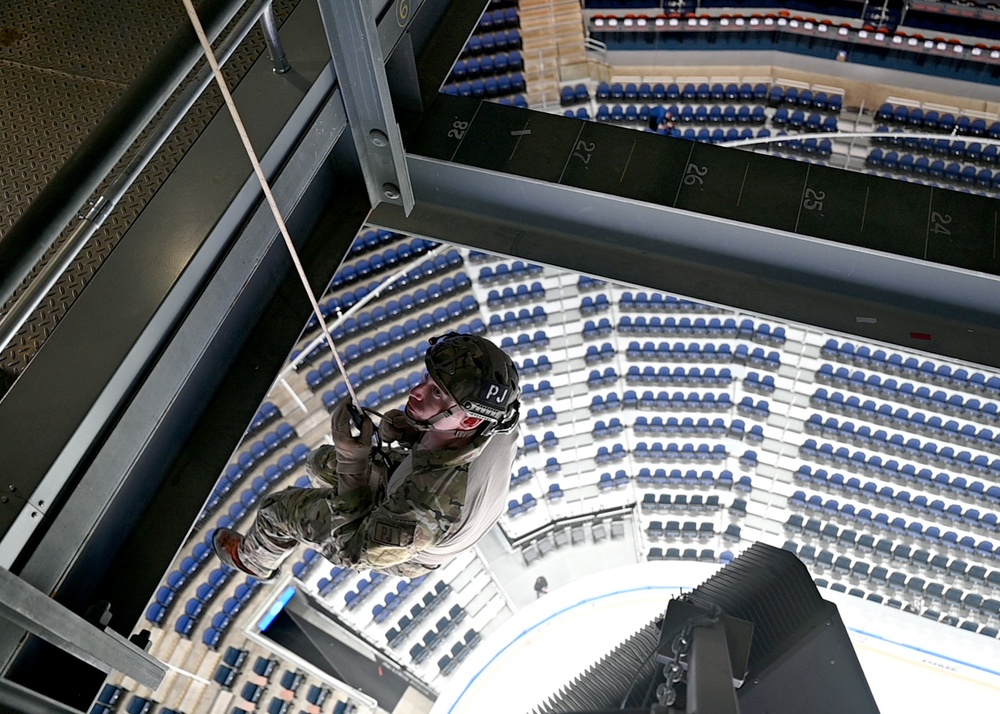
<point x="265" y="187"/>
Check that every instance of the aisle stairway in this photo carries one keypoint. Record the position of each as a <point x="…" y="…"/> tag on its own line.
<point x="553" y="36"/>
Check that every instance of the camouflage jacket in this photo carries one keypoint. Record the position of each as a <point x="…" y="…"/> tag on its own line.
<point x="436" y="504"/>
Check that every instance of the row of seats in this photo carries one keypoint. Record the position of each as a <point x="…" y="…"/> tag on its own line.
<point x="676" y="478"/>
<point x="672" y="92"/>
<point x="230" y="667"/>
<point x="371" y="240"/>
<point x="395" y="599"/>
<point x="808" y="146"/>
<point x="303" y="566"/>
<point x="459" y="651"/>
<point x="327" y="585"/>
<point x="906" y="392"/>
<point x="365" y="587"/>
<point x="866" y="519"/>
<point x="670" y="451"/>
<point x="265" y="416"/>
<point x="223" y="619"/>
<point x="911" y="367"/>
<point x="235" y="473"/>
<point x="502" y="273"/>
<point x="516" y="508"/>
<point x="524" y="342"/>
<point x="590" y="304"/>
<point x="186" y="622"/>
<point x="936" y="121"/>
<point x="686" y="114"/>
<point x="658" y="302"/>
<point x="524" y="319"/>
<point x="798" y="120"/>
<point x="350" y="274"/>
<point x="870" y="492"/>
<point x="422" y="272"/>
<point x="598" y="379"/>
<point x="487" y="43"/>
<point x="707" y="555"/>
<point x="914" y="586"/>
<point x="973" y="151"/>
<point x="594" y="329"/>
<point x="607" y="482"/>
<point x="380" y="262"/>
<point x="677" y="401"/>
<point x="668" y="503"/>
<point x="494" y="20"/>
<point x="261" y="449"/>
<point x="938" y="401"/>
<point x="596" y="354"/>
<point x="937" y="169"/>
<point x="675" y="530"/>
<point x="941" y="565"/>
<point x="337" y="304"/>
<point x="381" y="368"/>
<point x="487" y="65"/>
<point x="604" y="429"/>
<point x="435" y="637"/>
<point x="927" y="452"/>
<point x="806" y="98"/>
<point x="909" y="475"/>
<point x="940" y="483"/>
<point x="530" y="365"/>
<point x="426" y="324"/>
<point x="394" y="309"/>
<point x="707" y="352"/>
<point x="408" y="624"/>
<point x="570" y="95"/>
<point x="510" y="296"/>
<point x="503" y="85"/>
<point x="585" y="283"/>
<point x="679" y="376"/>
<point x="535" y="416"/>
<point x="686" y="425"/>
<point x="549" y="441"/>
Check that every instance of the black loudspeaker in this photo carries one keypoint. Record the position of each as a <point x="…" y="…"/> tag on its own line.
<point x="788" y="649"/>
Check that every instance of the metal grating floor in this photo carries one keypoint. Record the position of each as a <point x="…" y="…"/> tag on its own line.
<point x="62" y="66"/>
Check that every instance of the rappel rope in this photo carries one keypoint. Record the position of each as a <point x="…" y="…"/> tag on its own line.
<point x="266" y="188"/>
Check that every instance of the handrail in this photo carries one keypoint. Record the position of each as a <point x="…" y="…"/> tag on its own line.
<point x="100" y="207"/>
<point x="67" y="193"/>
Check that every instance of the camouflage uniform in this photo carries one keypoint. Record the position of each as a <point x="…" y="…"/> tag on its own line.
<point x="386" y="523"/>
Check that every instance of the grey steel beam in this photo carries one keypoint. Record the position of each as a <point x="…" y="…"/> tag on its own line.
<point x="710" y="675"/>
<point x="876" y="295"/>
<point x="359" y="61"/>
<point x="31" y="609"/>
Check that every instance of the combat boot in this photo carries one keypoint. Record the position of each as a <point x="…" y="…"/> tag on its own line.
<point x="227" y="546"/>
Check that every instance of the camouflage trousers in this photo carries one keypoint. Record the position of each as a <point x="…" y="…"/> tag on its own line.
<point x="319" y="517"/>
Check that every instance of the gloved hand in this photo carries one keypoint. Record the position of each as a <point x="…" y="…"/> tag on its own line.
<point x="395" y="426"/>
<point x="352" y="452"/>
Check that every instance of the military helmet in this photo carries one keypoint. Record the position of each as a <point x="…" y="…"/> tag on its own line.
<point x="479" y="376"/>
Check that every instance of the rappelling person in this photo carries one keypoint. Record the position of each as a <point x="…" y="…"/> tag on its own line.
<point x="405" y="509"/>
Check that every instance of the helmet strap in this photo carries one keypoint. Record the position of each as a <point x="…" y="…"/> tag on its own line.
<point x="427" y="425"/>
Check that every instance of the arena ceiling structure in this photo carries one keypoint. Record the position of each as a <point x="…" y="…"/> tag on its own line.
<point x="116" y="431"/>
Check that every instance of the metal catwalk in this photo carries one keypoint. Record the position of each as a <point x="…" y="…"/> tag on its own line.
<point x="62" y="67"/>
